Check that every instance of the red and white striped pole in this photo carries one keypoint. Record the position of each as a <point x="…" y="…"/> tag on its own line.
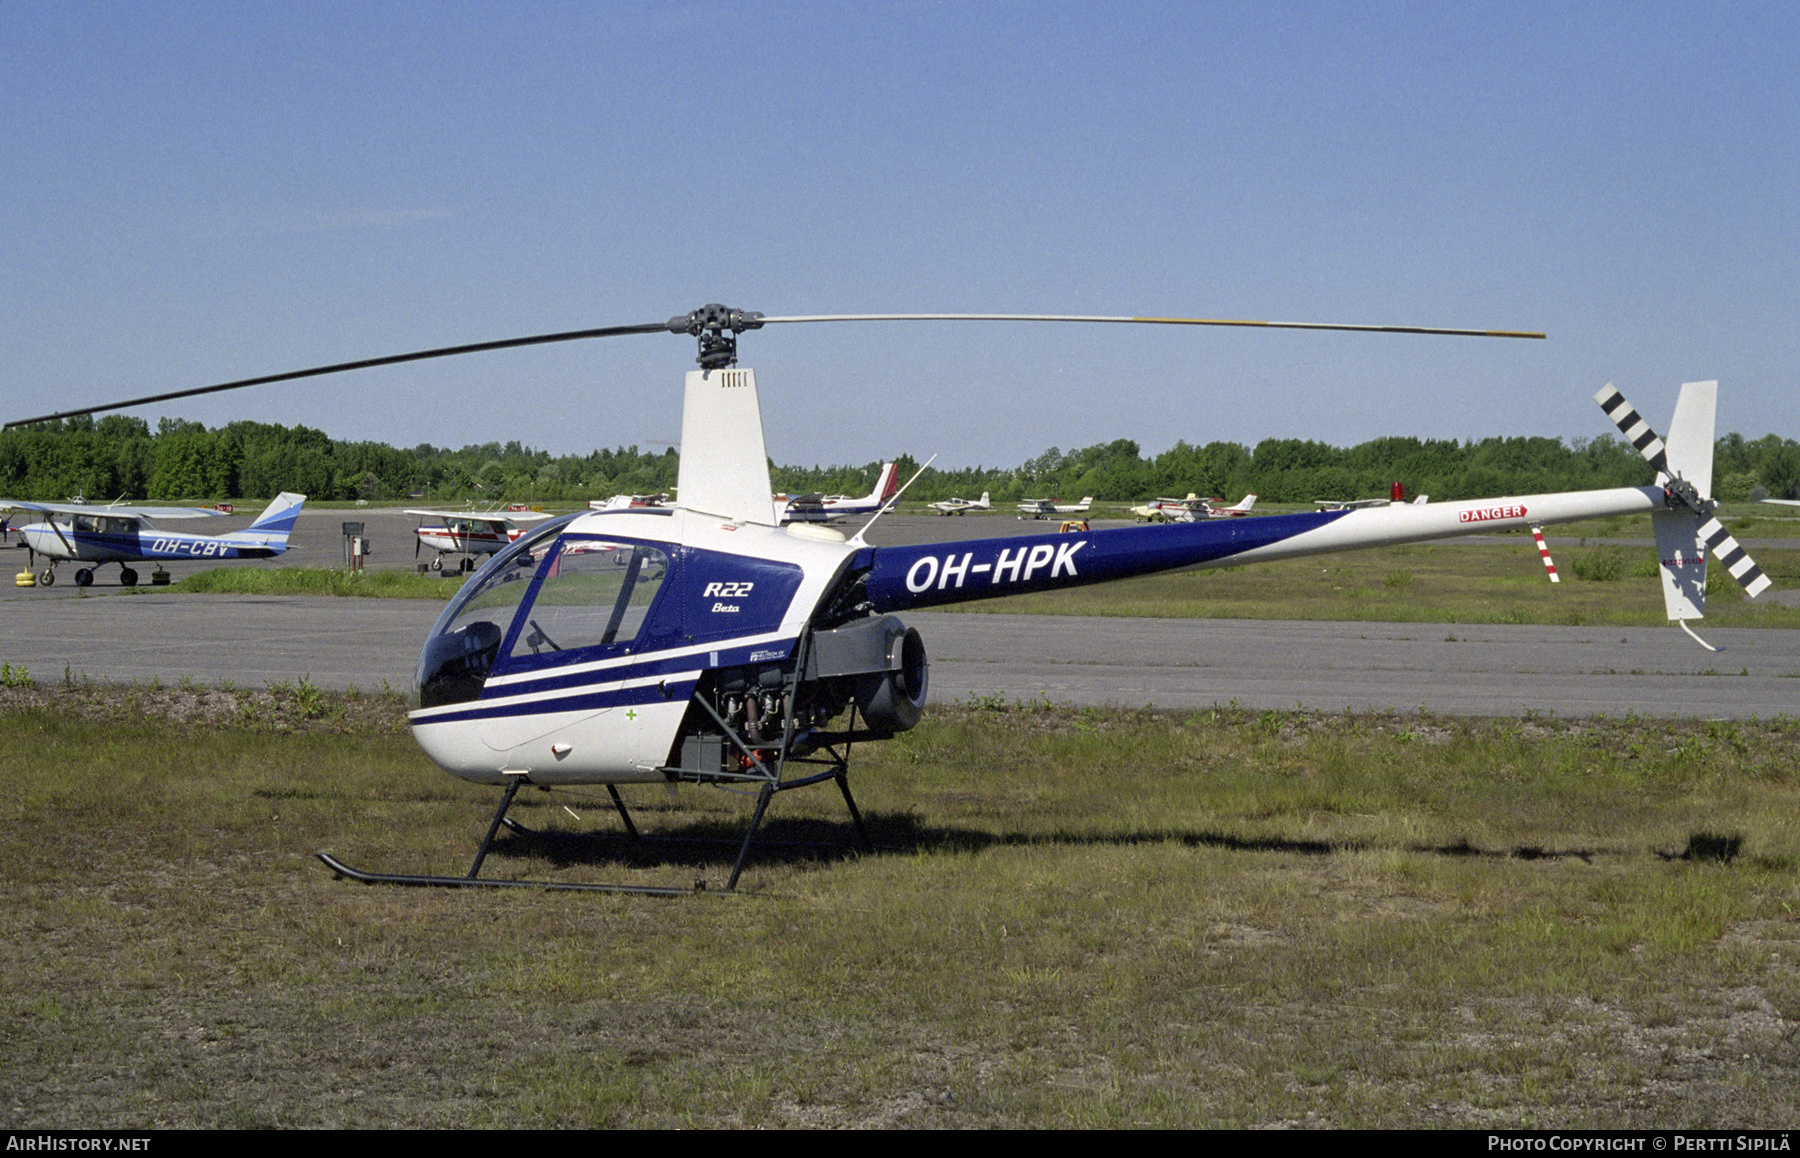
<point x="1549" y="565"/>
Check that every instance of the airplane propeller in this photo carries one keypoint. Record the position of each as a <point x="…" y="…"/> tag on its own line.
<point x="717" y="327"/>
<point x="1680" y="493"/>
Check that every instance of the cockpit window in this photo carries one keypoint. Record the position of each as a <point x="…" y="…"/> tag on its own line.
<point x="466" y="641"/>
<point x="593" y="594"/>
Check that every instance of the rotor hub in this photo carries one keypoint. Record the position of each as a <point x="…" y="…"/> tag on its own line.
<point x="717" y="328"/>
<point x="1679" y="493"/>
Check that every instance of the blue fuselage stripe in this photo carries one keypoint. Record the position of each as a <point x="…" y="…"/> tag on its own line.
<point x="922" y="576"/>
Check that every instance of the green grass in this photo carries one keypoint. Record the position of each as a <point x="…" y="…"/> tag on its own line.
<point x="1082" y="918"/>
<point x="313" y="581"/>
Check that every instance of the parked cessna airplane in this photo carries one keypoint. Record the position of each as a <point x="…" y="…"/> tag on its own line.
<point x="1044" y="508"/>
<point x="955" y="506"/>
<point x="817" y="508"/>
<point x="89" y="533"/>
<point x="1191" y="509"/>
<point x="469" y="534"/>
<point x="628" y="502"/>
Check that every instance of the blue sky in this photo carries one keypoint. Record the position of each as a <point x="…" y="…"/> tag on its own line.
<point x="200" y="192"/>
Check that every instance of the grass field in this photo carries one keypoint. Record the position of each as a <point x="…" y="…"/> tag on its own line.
<point x="1078" y="918"/>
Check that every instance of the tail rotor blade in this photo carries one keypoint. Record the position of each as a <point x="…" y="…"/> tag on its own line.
<point x="1633" y="427"/>
<point x="1734" y="558"/>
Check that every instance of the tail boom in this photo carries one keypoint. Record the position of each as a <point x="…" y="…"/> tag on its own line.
<point x="933" y="574"/>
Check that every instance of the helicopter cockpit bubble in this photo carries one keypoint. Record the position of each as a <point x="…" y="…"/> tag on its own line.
<point x="465" y="641"/>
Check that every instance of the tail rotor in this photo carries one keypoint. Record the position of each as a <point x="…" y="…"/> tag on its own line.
<point x="1686" y="528"/>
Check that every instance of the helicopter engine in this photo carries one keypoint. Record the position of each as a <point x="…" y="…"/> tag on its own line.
<point x="878" y="664"/>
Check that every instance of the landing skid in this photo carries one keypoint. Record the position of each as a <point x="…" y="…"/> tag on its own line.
<point x="837" y="769"/>
<point x="345" y="871"/>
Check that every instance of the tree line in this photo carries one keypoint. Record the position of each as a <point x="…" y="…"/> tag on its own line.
<point x="120" y="457"/>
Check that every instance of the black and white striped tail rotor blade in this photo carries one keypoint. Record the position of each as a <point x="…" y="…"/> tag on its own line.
<point x="1733" y="557"/>
<point x="1632" y="425"/>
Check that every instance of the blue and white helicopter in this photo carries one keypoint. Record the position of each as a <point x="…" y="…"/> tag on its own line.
<point x="708" y="643"/>
<point x="90" y="533"/>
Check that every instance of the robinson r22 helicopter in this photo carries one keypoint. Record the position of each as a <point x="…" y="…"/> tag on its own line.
<point x="707" y="643"/>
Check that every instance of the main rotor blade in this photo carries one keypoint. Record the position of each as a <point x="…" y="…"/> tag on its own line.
<point x="714" y="320"/>
<point x="362" y="364"/>
<point x="1150" y="322"/>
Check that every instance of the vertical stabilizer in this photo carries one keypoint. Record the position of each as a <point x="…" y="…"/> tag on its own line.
<point x="1680" y="548"/>
<point x="1682" y="561"/>
<point x="1690" y="441"/>
<point x="724" y="466"/>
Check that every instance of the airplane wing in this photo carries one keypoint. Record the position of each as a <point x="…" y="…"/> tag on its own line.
<point x="112" y="510"/>
<point x="484" y="516"/>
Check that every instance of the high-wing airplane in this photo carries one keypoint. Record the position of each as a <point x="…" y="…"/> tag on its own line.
<point x="90" y="533"/>
<point x="469" y="534"/>
<point x="1045" y="508"/>
<point x="709" y="644"/>
<point x="627" y="502"/>
<point x="1191" y="509"/>
<point x="955" y="506"/>
<point x="1236" y="510"/>
<point x="818" y="508"/>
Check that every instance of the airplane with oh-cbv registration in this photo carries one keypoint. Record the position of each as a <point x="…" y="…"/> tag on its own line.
<point x="95" y="534"/>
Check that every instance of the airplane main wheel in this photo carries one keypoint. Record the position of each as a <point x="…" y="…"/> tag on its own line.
<point x="48" y="578"/>
<point x="467" y="565"/>
<point x="127" y="577"/>
<point x="84" y="577"/>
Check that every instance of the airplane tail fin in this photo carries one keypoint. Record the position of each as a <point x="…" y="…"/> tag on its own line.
<point x="1086" y="502"/>
<point x="984" y="504"/>
<point x="278" y="518"/>
<point x="1245" y="503"/>
<point x="888" y="483"/>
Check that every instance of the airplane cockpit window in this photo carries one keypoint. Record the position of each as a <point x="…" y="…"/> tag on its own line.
<point x="595" y="594"/>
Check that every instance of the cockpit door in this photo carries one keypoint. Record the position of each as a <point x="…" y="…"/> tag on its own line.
<point x="573" y="645"/>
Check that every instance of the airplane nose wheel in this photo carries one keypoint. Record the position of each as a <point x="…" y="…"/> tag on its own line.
<point x="48" y="578"/>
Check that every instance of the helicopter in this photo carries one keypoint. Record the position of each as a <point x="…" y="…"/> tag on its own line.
<point x="707" y="643"/>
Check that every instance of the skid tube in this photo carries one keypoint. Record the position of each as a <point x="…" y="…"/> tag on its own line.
<point x="345" y="872"/>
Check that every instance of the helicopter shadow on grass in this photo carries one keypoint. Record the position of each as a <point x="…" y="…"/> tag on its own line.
<point x="699" y="842"/>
